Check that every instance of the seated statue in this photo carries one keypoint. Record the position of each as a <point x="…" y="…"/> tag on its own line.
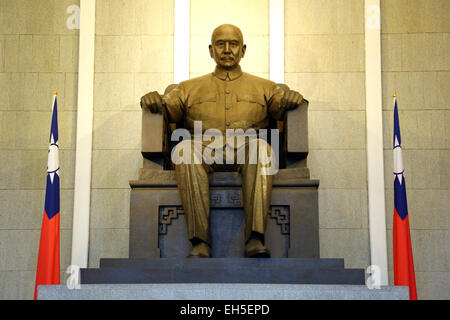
<point x="223" y="101"/>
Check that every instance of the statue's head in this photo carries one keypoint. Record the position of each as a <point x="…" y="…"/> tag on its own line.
<point x="227" y="46"/>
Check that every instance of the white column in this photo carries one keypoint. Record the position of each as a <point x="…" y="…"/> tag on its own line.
<point x="82" y="193"/>
<point x="374" y="129"/>
<point x="276" y="34"/>
<point x="181" y="40"/>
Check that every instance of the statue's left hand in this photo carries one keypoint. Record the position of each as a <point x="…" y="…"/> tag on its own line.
<point x="291" y="100"/>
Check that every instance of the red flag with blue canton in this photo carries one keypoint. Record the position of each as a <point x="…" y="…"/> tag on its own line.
<point x="48" y="266"/>
<point x="403" y="257"/>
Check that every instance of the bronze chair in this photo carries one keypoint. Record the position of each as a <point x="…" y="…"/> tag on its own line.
<point x="157" y="226"/>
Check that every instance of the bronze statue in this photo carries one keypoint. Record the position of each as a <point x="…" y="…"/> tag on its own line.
<point x="225" y="99"/>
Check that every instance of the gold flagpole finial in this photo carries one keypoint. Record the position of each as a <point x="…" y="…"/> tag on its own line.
<point x="55" y="93"/>
<point x="394" y="95"/>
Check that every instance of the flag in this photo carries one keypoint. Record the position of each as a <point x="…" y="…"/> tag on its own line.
<point x="403" y="258"/>
<point x="48" y="267"/>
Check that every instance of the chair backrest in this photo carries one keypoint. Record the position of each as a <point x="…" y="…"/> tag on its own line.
<point x="156" y="144"/>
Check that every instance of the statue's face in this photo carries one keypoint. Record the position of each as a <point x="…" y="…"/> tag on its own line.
<point x="227" y="47"/>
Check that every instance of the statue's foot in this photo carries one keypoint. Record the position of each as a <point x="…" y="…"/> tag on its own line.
<point x="201" y="250"/>
<point x="255" y="249"/>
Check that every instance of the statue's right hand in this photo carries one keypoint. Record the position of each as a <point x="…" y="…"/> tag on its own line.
<point x="153" y="102"/>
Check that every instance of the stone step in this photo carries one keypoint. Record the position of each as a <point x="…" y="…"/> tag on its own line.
<point x="225" y="270"/>
<point x="220" y="263"/>
<point x="212" y="291"/>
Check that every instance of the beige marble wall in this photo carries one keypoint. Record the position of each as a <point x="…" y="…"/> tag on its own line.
<point x="38" y="54"/>
<point x="416" y="66"/>
<point x="133" y="56"/>
<point x="324" y="60"/>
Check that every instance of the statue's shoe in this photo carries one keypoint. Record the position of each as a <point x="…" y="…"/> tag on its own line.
<point x="200" y="251"/>
<point x="255" y="249"/>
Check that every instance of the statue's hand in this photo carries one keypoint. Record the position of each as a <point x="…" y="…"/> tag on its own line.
<point x="153" y="102"/>
<point x="291" y="100"/>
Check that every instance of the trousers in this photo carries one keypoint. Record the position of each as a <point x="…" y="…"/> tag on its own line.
<point x="193" y="163"/>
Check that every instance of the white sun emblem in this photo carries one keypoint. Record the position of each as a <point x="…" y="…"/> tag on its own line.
<point x="53" y="159"/>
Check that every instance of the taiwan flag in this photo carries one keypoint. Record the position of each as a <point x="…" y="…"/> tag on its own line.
<point x="48" y="267"/>
<point x="403" y="257"/>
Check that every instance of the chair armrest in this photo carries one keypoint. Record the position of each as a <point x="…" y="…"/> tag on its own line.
<point x="297" y="131"/>
<point x="154" y="136"/>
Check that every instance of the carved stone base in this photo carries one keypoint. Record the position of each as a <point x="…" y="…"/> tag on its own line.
<point x="227" y="229"/>
<point x="158" y="227"/>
